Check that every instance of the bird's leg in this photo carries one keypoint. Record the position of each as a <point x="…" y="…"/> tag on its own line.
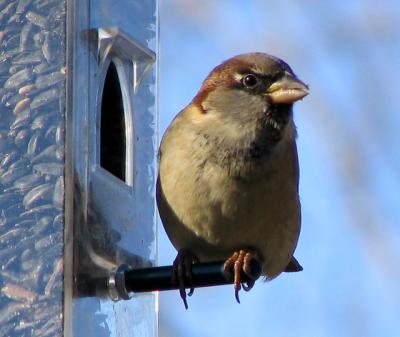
<point x="239" y="261"/>
<point x="182" y="272"/>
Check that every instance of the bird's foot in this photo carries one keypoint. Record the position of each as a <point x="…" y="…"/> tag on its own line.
<point x="182" y="272"/>
<point x="239" y="261"/>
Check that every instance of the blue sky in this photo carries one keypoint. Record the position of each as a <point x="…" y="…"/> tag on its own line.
<point x="349" y="159"/>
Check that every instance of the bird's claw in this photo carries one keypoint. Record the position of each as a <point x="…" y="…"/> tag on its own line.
<point x="240" y="261"/>
<point x="182" y="273"/>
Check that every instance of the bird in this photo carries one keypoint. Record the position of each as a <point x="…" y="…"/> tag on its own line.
<point x="228" y="172"/>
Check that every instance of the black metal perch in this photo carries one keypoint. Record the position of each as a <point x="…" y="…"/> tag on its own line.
<point x="125" y="280"/>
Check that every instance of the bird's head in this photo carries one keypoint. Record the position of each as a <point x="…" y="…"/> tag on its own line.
<point x="251" y="87"/>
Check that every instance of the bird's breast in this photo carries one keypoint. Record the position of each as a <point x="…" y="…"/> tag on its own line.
<point x="226" y="209"/>
<point x="213" y="209"/>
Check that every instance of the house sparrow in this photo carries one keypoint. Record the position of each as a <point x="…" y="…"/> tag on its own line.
<point x="227" y="185"/>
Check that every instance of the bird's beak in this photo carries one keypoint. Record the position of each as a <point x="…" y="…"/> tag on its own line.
<point x="288" y="89"/>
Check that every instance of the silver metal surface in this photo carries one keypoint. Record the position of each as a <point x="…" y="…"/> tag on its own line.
<point x="116" y="284"/>
<point x="32" y="124"/>
<point x="64" y="219"/>
<point x="114" y="220"/>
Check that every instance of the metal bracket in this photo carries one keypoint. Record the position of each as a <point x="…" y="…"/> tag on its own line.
<point x="115" y="42"/>
<point x="116" y="284"/>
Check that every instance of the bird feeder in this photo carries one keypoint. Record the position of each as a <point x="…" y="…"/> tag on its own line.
<point x="77" y="165"/>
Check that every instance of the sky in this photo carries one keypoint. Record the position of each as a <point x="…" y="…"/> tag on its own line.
<point x="349" y="54"/>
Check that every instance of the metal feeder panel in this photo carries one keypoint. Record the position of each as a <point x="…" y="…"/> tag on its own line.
<point x="78" y="128"/>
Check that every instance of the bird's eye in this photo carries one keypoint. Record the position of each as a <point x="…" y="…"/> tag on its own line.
<point x="250" y="81"/>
